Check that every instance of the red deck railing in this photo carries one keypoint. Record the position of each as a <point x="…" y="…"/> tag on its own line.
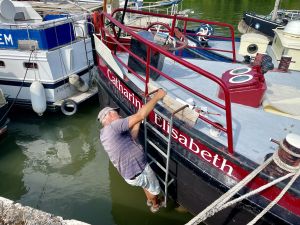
<point x="108" y="35"/>
<point x="227" y="30"/>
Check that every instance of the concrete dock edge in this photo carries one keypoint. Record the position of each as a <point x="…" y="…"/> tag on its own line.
<point x="15" y="213"/>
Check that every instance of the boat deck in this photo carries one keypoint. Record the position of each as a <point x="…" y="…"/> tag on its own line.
<point x="252" y="127"/>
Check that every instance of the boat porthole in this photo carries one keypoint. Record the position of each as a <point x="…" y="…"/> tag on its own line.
<point x="240" y="79"/>
<point x="68" y="107"/>
<point x="253" y="48"/>
<point x="257" y="26"/>
<point x="239" y="71"/>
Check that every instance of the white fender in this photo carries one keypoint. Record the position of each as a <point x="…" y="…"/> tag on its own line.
<point x="78" y="83"/>
<point x="38" y="97"/>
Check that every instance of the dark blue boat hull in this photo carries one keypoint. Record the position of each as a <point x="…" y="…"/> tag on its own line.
<point x="261" y="24"/>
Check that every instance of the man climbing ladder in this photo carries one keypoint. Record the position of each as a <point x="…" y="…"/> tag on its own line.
<point x="119" y="139"/>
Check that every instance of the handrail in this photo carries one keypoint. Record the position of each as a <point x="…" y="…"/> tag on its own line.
<point x="152" y="46"/>
<point x="46" y="24"/>
<point x="149" y="66"/>
<point x="185" y="20"/>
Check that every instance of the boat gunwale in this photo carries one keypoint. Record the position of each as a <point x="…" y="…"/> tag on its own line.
<point x="46" y="24"/>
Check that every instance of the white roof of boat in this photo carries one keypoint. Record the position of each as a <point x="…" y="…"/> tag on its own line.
<point x="64" y="6"/>
<point x="293" y="28"/>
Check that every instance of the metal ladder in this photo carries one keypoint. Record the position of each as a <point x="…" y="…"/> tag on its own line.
<point x="168" y="139"/>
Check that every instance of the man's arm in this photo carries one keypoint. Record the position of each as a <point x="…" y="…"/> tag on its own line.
<point x="135" y="130"/>
<point x="146" y="109"/>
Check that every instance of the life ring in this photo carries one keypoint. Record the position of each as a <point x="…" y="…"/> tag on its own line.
<point x="68" y="107"/>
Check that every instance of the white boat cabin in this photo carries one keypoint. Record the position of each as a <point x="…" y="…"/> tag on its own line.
<point x="50" y="49"/>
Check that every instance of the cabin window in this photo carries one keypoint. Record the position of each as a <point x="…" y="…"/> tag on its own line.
<point x="30" y="65"/>
<point x="19" y="16"/>
<point x="252" y="48"/>
<point x="2" y="63"/>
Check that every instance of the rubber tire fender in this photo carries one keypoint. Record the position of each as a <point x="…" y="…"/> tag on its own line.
<point x="65" y="104"/>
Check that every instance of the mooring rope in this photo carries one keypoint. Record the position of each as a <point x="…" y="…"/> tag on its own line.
<point x="262" y="213"/>
<point x="288" y="150"/>
<point x="260" y="189"/>
<point x="214" y="207"/>
<point x="17" y="95"/>
<point x="223" y="202"/>
<point x="282" y="165"/>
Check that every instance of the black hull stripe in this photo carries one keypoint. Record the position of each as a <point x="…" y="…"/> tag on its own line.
<point x="46" y="85"/>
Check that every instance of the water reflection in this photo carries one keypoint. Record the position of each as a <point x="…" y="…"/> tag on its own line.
<point x="63" y="149"/>
<point x="60" y="166"/>
<point x="11" y="168"/>
<point x="57" y="164"/>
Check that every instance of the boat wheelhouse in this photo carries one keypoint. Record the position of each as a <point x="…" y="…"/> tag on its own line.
<point x="211" y="131"/>
<point x="45" y="61"/>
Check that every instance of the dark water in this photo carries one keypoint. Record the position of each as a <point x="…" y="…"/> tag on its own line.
<point x="56" y="163"/>
<point x="230" y="11"/>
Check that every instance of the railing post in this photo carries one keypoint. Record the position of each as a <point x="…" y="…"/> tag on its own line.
<point x="233" y="44"/>
<point x="147" y="69"/>
<point x="173" y="25"/>
<point x="101" y="24"/>
<point x="228" y="121"/>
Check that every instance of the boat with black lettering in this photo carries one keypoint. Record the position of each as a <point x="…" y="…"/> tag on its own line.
<point x="46" y="60"/>
<point x="209" y="139"/>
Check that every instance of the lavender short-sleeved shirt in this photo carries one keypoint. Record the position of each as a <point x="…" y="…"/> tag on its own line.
<point x="124" y="153"/>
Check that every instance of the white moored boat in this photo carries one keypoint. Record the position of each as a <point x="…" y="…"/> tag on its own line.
<point x="45" y="51"/>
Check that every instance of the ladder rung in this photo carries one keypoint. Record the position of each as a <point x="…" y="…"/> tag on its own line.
<point x="170" y="182"/>
<point x="162" y="115"/>
<point x="157" y="148"/>
<point x="157" y="163"/>
<point x="161" y="180"/>
<point x="158" y="132"/>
